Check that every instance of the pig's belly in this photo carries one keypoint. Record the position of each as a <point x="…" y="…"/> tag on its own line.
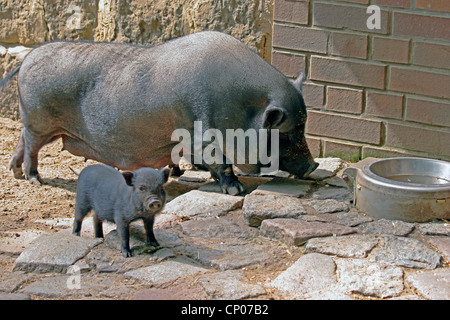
<point x="122" y="157"/>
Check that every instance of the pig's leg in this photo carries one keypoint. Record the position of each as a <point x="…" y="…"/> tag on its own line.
<point x="98" y="227"/>
<point x="148" y="225"/>
<point x="223" y="173"/>
<point x="123" y="228"/>
<point x="33" y="144"/>
<point x="17" y="158"/>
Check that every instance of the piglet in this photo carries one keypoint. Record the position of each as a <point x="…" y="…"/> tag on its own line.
<point x="120" y="198"/>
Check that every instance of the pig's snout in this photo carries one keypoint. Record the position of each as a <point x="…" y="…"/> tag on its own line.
<point x="301" y="170"/>
<point x="154" y="205"/>
<point x="312" y="166"/>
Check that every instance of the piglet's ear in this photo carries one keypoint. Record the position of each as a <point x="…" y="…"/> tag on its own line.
<point x="128" y="175"/>
<point x="166" y="173"/>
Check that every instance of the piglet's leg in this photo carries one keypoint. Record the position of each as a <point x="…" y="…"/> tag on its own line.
<point x="98" y="227"/>
<point x="148" y="225"/>
<point x="123" y="228"/>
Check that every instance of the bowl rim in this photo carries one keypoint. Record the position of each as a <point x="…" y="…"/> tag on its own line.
<point x="368" y="171"/>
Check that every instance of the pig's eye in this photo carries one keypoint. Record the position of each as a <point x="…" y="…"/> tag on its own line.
<point x="142" y="188"/>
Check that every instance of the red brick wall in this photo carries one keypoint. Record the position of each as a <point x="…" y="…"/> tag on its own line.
<point x="382" y="92"/>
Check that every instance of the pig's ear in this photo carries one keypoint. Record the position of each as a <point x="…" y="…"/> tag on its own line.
<point x="166" y="173"/>
<point x="128" y="175"/>
<point x="298" y="83"/>
<point x="274" y="117"/>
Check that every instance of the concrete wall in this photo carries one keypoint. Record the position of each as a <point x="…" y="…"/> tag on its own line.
<point x="380" y="92"/>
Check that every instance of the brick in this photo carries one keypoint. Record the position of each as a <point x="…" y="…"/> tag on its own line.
<point x="343" y="127"/>
<point x="353" y="73"/>
<point x="345" y="100"/>
<point x="291" y="65"/>
<point x="418" y="139"/>
<point x="416" y="25"/>
<point x="376" y="152"/>
<point x="429" y="112"/>
<point x="299" y="38"/>
<point x="313" y="95"/>
<point x="346" y="17"/>
<point x="394" y="3"/>
<point x="435" y="5"/>
<point x="314" y="146"/>
<point x="350" y="45"/>
<point x="391" y="50"/>
<point x="384" y="105"/>
<point x="342" y="150"/>
<point x="291" y="11"/>
<point x="431" y="55"/>
<point x="420" y="82"/>
<point x="355" y="1"/>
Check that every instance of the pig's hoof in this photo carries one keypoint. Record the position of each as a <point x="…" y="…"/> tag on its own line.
<point x="36" y="181"/>
<point x="152" y="244"/>
<point x="17" y="171"/>
<point x="126" y="253"/>
<point x="18" y="174"/>
<point x="234" y="188"/>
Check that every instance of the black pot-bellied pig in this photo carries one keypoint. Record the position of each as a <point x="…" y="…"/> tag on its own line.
<point x="120" y="198"/>
<point x="120" y="103"/>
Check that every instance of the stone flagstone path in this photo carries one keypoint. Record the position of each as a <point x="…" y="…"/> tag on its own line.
<point x="283" y="239"/>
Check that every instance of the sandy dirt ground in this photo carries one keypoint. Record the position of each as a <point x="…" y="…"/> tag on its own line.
<point x="22" y="203"/>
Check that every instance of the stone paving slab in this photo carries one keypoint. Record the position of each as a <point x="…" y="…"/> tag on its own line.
<point x="177" y="292"/>
<point x="214" y="228"/>
<point x="14" y="296"/>
<point x="166" y="272"/>
<point x="258" y="207"/>
<point x="249" y="183"/>
<point x="166" y="238"/>
<point x="11" y="281"/>
<point x="335" y="182"/>
<point x="434" y="285"/>
<point x="383" y="226"/>
<point x="312" y="273"/>
<point x="442" y="244"/>
<point x="328" y="167"/>
<point x="326" y="205"/>
<point x="434" y="229"/>
<point x="54" y="253"/>
<point x="284" y="187"/>
<point x="65" y="286"/>
<point x="377" y="279"/>
<point x="352" y="246"/>
<point x="229" y="285"/>
<point x="341" y="194"/>
<point x="350" y="219"/>
<point x="407" y="252"/>
<point x="195" y="176"/>
<point x="227" y="256"/>
<point x="203" y="204"/>
<point x="296" y="232"/>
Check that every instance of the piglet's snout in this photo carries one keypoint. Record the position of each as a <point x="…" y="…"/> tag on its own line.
<point x="154" y="204"/>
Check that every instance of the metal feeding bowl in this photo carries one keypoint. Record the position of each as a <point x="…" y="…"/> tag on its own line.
<point x="408" y="189"/>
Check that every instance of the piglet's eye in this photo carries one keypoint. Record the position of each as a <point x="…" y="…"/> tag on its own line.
<point x="142" y="188"/>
